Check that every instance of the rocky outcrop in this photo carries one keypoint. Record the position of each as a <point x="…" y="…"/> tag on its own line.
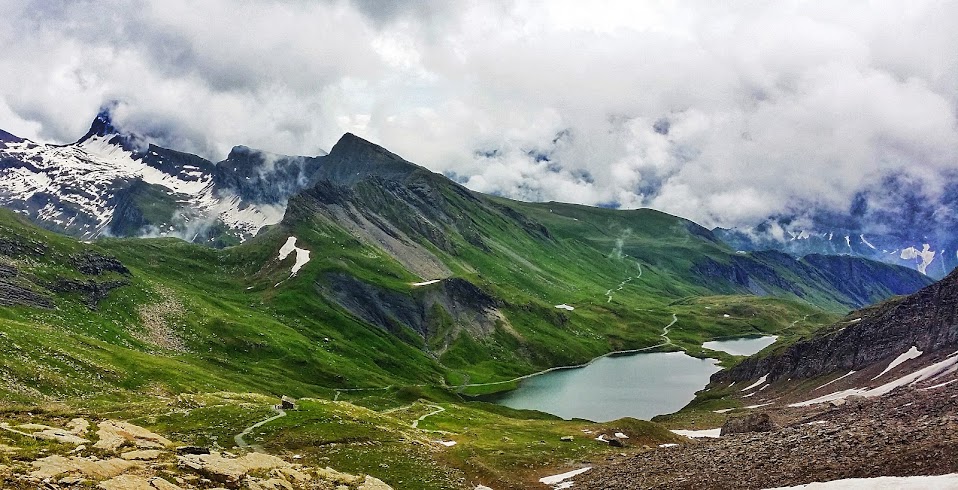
<point x="421" y="309"/>
<point x="12" y="294"/>
<point x="753" y="422"/>
<point x="95" y="264"/>
<point x="261" y="177"/>
<point x="91" y="292"/>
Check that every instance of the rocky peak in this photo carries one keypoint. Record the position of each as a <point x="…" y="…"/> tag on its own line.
<point x="353" y="159"/>
<point x="264" y="177"/>
<point x="104" y="127"/>
<point x="6" y="137"/>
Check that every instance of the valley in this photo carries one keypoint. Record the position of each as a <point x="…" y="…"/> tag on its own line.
<point x="389" y="302"/>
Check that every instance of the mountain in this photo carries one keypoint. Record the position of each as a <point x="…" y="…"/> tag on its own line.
<point x="477" y="287"/>
<point x="904" y="341"/>
<point x="385" y="294"/>
<point x="111" y="183"/>
<point x="896" y="222"/>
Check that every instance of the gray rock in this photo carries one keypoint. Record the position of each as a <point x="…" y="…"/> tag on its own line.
<point x="753" y="422"/>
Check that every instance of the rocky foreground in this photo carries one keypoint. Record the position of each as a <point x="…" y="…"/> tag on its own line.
<point x="117" y="455"/>
<point x="907" y="432"/>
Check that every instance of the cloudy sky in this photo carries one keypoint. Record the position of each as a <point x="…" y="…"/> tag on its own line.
<point x="723" y="114"/>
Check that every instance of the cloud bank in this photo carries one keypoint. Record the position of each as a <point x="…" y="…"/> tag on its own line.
<point x="722" y="114"/>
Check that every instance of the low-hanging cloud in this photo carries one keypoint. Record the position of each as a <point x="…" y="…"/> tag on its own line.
<point x="723" y="114"/>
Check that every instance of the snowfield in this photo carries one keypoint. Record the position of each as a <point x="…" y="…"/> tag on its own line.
<point x="425" y="283"/>
<point x="912" y="353"/>
<point x="699" y="433"/>
<point x="757" y="383"/>
<point x="558" y="479"/>
<point x="932" y="372"/>
<point x="885" y="483"/>
<point x="83" y="178"/>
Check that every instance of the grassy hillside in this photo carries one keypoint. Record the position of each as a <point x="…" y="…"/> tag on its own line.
<point x="415" y="290"/>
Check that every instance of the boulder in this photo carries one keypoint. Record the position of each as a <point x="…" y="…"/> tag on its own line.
<point x="192" y="450"/>
<point x="287" y="403"/>
<point x="753" y="422"/>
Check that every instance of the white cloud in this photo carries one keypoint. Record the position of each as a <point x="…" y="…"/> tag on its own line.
<point x="721" y="114"/>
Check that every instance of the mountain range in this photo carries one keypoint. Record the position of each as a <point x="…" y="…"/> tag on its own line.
<point x="896" y="222"/>
<point x="372" y="286"/>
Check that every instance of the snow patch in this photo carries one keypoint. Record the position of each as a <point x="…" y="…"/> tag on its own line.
<point x="302" y="255"/>
<point x="564" y="306"/>
<point x="910" y="354"/>
<point x="555" y="479"/>
<point x="884" y="483"/>
<point x="757" y="383"/>
<point x="925" y="256"/>
<point x="867" y="243"/>
<point x="447" y="443"/>
<point x="929" y="372"/>
<point x="699" y="433"/>
<point x="836" y="379"/>
<point x="425" y="283"/>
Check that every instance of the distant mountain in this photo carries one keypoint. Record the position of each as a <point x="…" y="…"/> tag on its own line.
<point x="111" y="183"/>
<point x="896" y="222"/>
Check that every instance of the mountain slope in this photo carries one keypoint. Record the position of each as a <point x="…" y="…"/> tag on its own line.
<point x="112" y="183"/>
<point x="905" y="341"/>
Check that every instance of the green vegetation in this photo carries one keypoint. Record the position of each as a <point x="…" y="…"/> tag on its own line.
<point x="164" y="333"/>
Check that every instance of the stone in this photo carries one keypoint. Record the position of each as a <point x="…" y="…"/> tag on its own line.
<point x="229" y="470"/>
<point x="616" y="443"/>
<point x="60" y="435"/>
<point x="52" y="466"/>
<point x="135" y="482"/>
<point x="192" y="450"/>
<point x="566" y="438"/>
<point x="753" y="422"/>
<point x="141" y="455"/>
<point x="78" y="426"/>
<point x="371" y="483"/>
<point x="287" y="403"/>
<point x="114" y="434"/>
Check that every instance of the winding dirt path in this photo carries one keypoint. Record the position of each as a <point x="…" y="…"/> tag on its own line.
<point x="280" y="413"/>
<point x="609" y="293"/>
<point x="415" y="423"/>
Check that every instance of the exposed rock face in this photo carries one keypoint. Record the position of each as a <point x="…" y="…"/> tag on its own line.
<point x="468" y="306"/>
<point x="12" y="294"/>
<point x="927" y="320"/>
<point x="95" y="264"/>
<point x="92" y="292"/>
<point x="115" y="434"/>
<point x="753" y="422"/>
<point x="116" y="182"/>
<point x="261" y="177"/>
